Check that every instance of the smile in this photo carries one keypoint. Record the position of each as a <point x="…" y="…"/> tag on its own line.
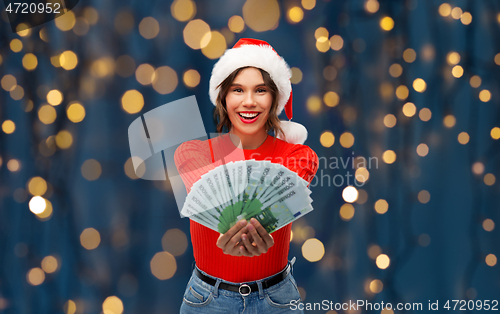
<point x="248" y="117"/>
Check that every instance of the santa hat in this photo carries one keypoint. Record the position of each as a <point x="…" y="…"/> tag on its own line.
<point x="259" y="54"/>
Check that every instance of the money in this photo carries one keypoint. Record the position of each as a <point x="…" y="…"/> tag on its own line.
<point x="268" y="192"/>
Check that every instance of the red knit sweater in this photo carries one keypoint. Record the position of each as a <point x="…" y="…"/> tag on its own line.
<point x="193" y="159"/>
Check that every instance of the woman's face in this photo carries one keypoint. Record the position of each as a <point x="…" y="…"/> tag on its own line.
<point x="248" y="102"/>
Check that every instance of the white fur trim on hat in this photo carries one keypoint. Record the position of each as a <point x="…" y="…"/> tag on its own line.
<point x="262" y="57"/>
<point x="295" y="133"/>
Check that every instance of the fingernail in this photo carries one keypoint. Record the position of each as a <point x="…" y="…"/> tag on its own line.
<point x="253" y="221"/>
<point x="250" y="227"/>
<point x="243" y="237"/>
<point x="243" y="222"/>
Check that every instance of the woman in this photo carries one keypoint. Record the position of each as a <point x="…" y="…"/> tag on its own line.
<point x="246" y="269"/>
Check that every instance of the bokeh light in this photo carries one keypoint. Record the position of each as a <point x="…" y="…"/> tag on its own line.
<point x="383" y="261"/>
<point x="327" y="139"/>
<point x="387" y="23"/>
<point x="381" y="206"/>
<point x="75" y="112"/>
<point x="389" y="156"/>
<point x="175" y="242"/>
<point x="313" y="250"/>
<point x="183" y="10"/>
<point x="149" y="27"/>
<point x="163" y="265"/>
<point x="261" y="15"/>
<point x="35" y="276"/>
<point x="346" y="140"/>
<point x="350" y="194"/>
<point x="8" y="126"/>
<point x="112" y="305"/>
<point x="132" y="101"/>
<point x="91" y="169"/>
<point x="346" y="212"/>
<point x="90" y="238"/>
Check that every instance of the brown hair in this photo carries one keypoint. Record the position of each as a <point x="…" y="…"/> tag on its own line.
<point x="221" y="118"/>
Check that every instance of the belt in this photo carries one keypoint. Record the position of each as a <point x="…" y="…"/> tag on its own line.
<point x="245" y="289"/>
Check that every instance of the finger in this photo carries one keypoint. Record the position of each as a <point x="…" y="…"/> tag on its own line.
<point x="244" y="251"/>
<point x="224" y="239"/>
<point x="256" y="237"/>
<point x="249" y="247"/>
<point x="266" y="237"/>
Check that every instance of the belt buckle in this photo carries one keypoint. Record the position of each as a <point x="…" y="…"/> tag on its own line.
<point x="243" y="286"/>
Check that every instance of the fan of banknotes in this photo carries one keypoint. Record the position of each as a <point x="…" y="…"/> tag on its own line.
<point x="268" y="192"/>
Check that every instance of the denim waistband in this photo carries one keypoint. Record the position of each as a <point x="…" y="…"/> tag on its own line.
<point x="216" y="291"/>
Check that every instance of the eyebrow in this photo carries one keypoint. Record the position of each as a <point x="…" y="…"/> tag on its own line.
<point x="236" y="84"/>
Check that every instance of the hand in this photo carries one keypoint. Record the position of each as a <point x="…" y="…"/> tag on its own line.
<point x="259" y="242"/>
<point x="230" y="242"/>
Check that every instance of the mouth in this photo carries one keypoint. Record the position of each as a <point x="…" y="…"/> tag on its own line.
<point x="248" y="116"/>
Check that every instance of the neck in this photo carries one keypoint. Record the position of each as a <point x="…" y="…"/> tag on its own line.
<point x="248" y="141"/>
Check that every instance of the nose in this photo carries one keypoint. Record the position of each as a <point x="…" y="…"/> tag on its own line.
<point x="248" y="99"/>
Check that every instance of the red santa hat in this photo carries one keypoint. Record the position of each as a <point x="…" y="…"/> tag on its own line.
<point x="259" y="54"/>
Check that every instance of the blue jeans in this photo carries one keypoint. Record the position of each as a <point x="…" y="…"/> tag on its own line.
<point x="200" y="298"/>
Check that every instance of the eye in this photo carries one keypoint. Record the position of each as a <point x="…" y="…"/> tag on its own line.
<point x="237" y="89"/>
<point x="261" y="90"/>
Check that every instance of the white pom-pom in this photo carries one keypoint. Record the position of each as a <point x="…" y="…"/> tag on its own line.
<point x="295" y="133"/>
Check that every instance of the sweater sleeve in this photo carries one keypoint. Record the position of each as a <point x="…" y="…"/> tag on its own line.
<point x="193" y="159"/>
<point x="304" y="161"/>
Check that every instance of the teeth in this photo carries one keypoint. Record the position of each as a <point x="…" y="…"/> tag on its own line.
<point x="249" y="115"/>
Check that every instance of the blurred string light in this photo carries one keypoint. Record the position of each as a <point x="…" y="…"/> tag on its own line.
<point x="313" y="250"/>
<point x="49" y="264"/>
<point x="35" y="276"/>
<point x="91" y="169"/>
<point x="308" y="4"/>
<point x="175" y="242"/>
<point x="346" y="140"/>
<point x="163" y="265"/>
<point x="350" y="194"/>
<point x="327" y="139"/>
<point x="376" y="286"/>
<point x="75" y="112"/>
<point x="389" y="156"/>
<point x="8" y="126"/>
<point x="183" y="10"/>
<point x="90" y="238"/>
<point x="382" y="261"/>
<point x="296" y="75"/>
<point x="149" y="27"/>
<point x="362" y="175"/>
<point x="463" y="138"/>
<point x="346" y="212"/>
<point x="112" y="305"/>
<point x="295" y="15"/>
<point x="261" y="15"/>
<point x="495" y="133"/>
<point x="236" y="24"/>
<point x="372" y="6"/>
<point x="390" y="120"/>
<point x="191" y="78"/>
<point x="132" y="101"/>
<point x="197" y="34"/>
<point x="409" y="109"/>
<point x="387" y="23"/>
<point x="381" y="206"/>
<point x="449" y="121"/>
<point x="16" y="45"/>
<point x="425" y="114"/>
